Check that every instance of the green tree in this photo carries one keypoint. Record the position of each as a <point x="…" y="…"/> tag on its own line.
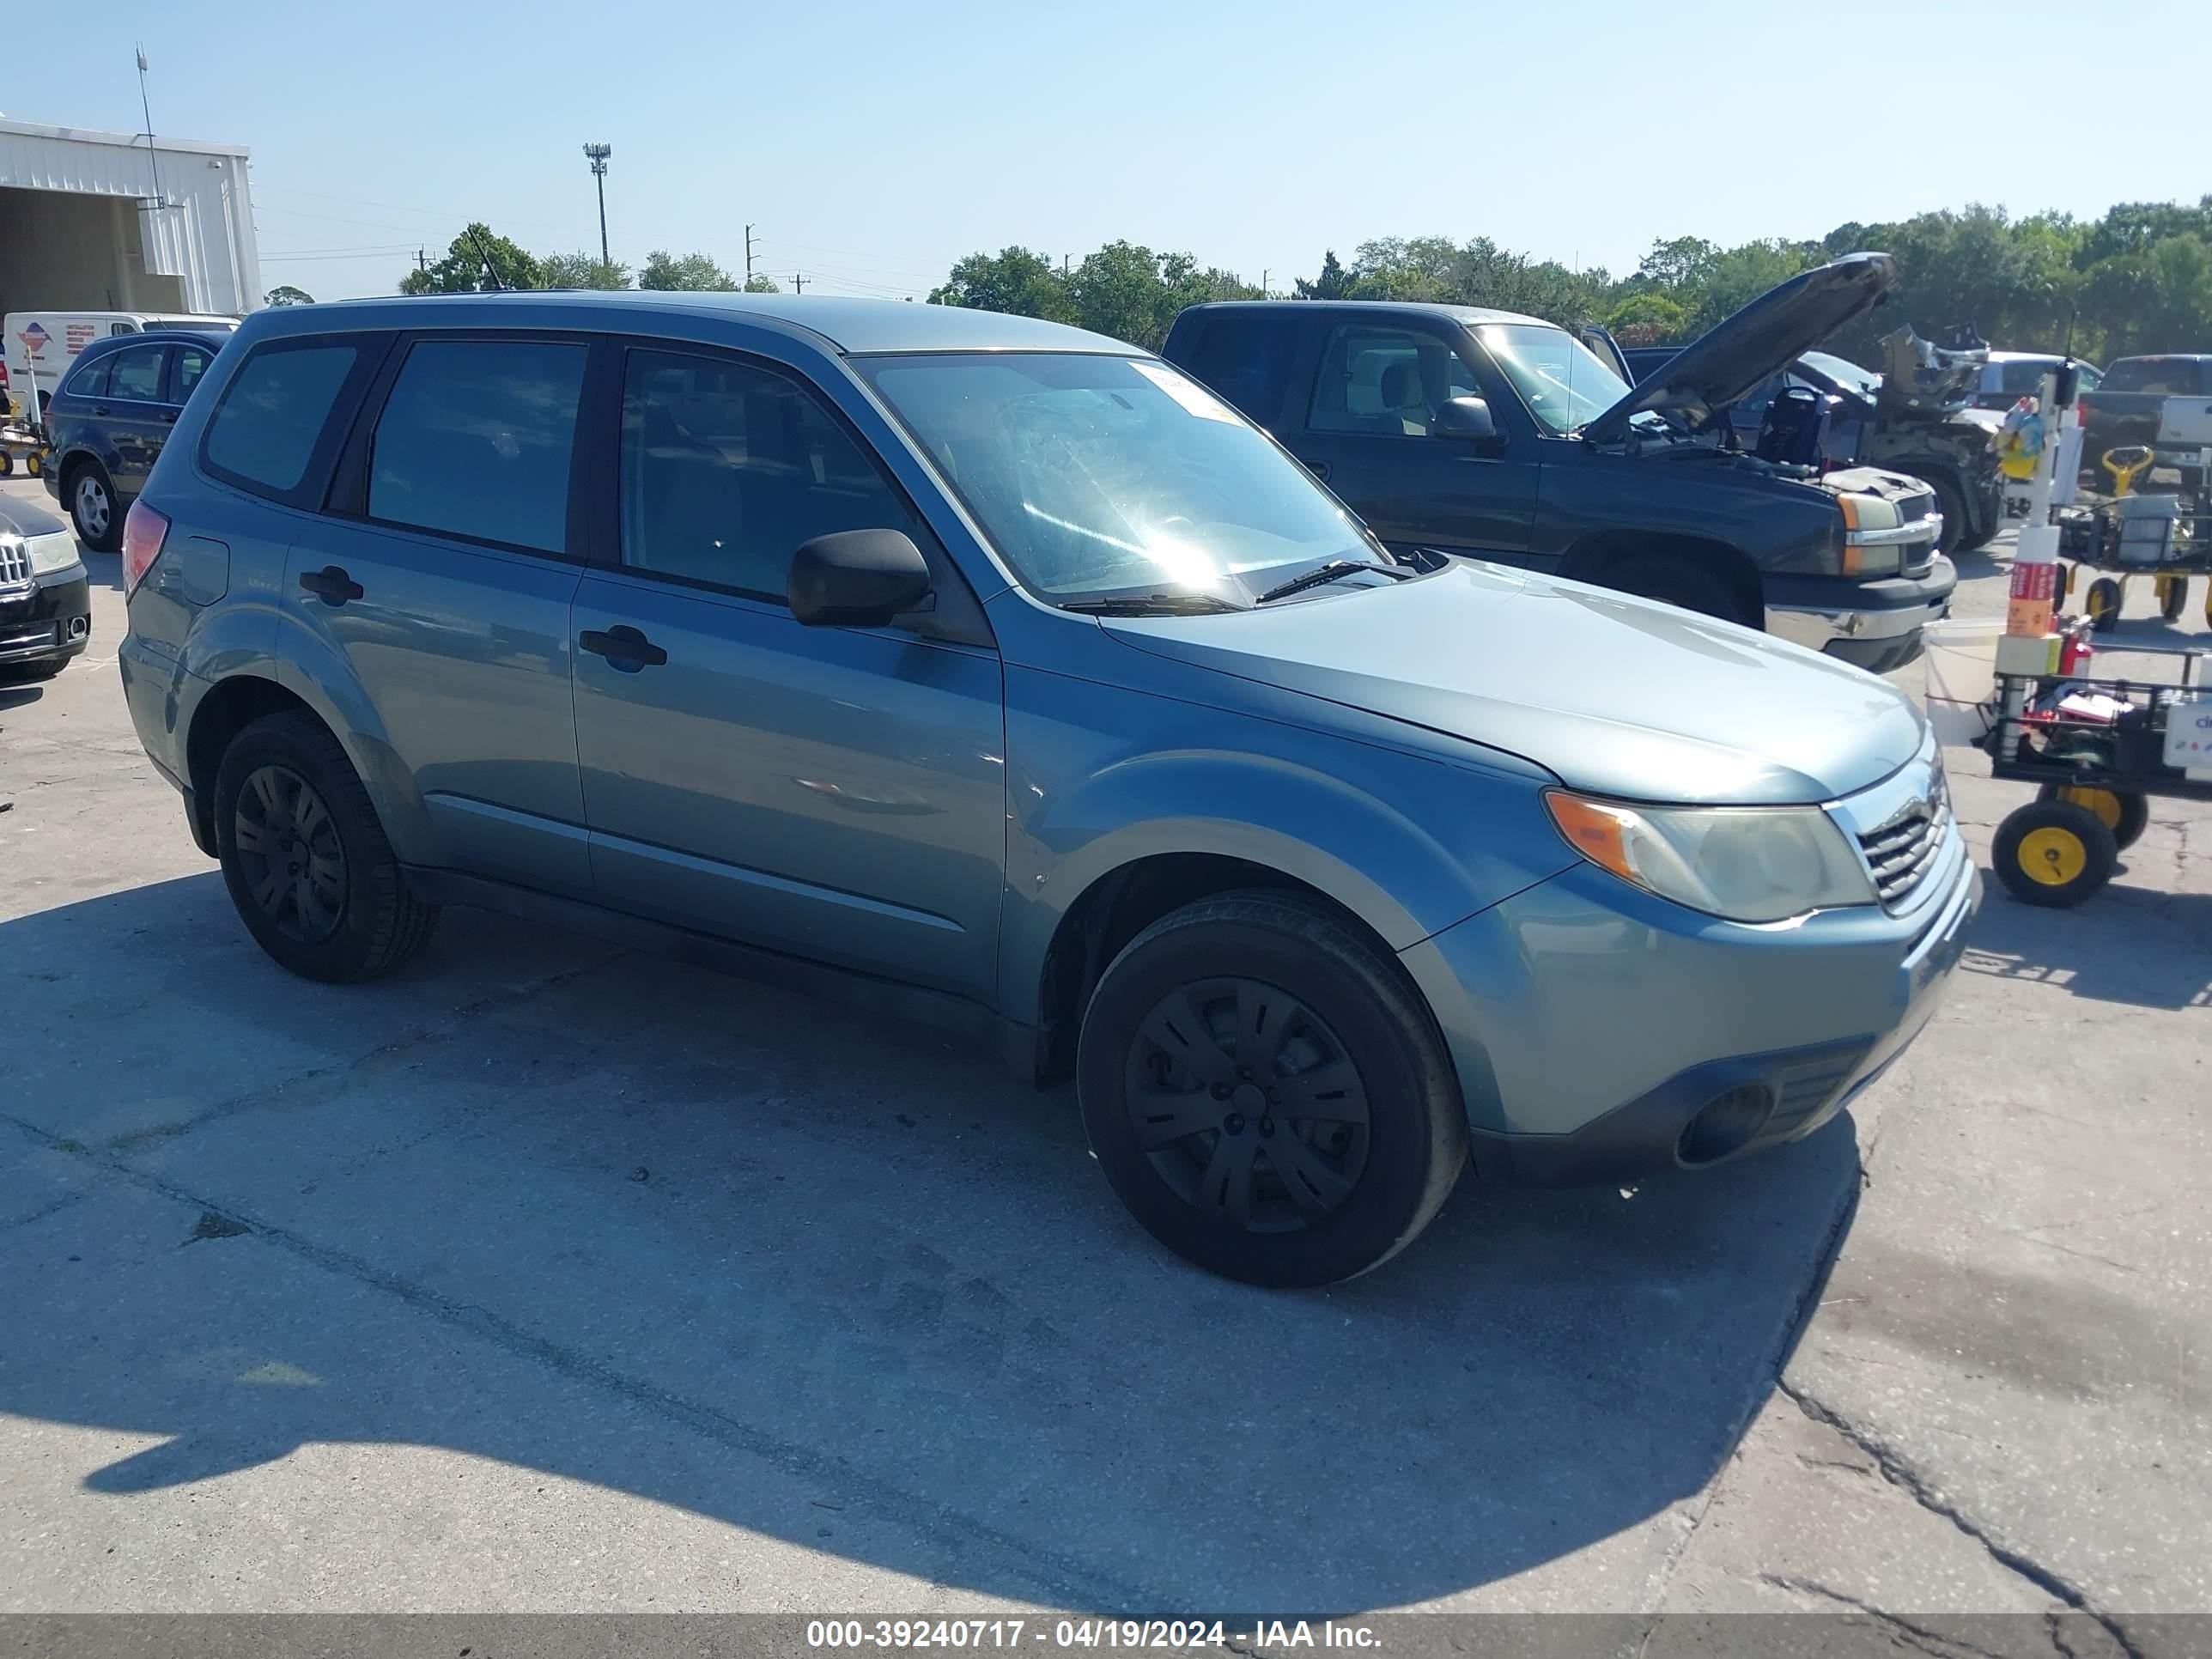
<point x="762" y="285"/>
<point x="1012" y="280"/>
<point x="1332" y="284"/>
<point x="582" y="271"/>
<point x="694" y="273"/>
<point x="1648" y="318"/>
<point x="285" y="295"/>
<point x="461" y="270"/>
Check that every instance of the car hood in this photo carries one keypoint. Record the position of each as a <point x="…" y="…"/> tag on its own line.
<point x="1720" y="365"/>
<point x="1616" y="695"/>
<point x="24" y="519"/>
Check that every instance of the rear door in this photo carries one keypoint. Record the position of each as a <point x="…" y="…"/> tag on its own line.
<point x="835" y="793"/>
<point x="442" y="576"/>
<point x="1368" y="430"/>
<point x="134" y="414"/>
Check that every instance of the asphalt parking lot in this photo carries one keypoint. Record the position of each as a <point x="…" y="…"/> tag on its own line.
<point x="546" y="1276"/>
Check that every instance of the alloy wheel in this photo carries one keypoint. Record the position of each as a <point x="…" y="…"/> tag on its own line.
<point x="93" y="509"/>
<point x="1248" y="1106"/>
<point x="289" y="853"/>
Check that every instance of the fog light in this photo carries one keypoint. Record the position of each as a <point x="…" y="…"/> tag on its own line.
<point x="79" y="626"/>
<point x="1724" y="1124"/>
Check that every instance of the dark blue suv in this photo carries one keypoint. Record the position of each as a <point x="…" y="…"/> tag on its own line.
<point x="107" y="421"/>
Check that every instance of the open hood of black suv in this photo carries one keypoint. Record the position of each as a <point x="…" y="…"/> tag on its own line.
<point x="1718" y="368"/>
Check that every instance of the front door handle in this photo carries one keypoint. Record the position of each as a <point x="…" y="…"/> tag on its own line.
<point x="330" y="585"/>
<point x="1319" y="469"/>
<point x="624" y="648"/>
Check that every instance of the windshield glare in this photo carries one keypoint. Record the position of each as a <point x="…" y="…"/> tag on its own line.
<point x="1096" y="476"/>
<point x="1564" y="383"/>
<point x="1844" y="372"/>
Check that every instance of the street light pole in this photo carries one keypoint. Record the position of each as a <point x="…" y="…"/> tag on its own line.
<point x="598" y="154"/>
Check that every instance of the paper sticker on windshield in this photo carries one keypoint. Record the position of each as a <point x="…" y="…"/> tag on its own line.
<point x="1191" y="395"/>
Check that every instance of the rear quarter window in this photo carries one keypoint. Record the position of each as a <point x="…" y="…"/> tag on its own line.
<point x="2169" y="377"/>
<point x="269" y="434"/>
<point x="1245" y="358"/>
<point x="89" y="380"/>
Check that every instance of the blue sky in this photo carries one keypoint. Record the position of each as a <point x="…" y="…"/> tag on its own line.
<point x="871" y="144"/>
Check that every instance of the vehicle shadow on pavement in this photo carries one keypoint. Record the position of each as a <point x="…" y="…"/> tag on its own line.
<point x="2125" y="944"/>
<point x="822" y="1276"/>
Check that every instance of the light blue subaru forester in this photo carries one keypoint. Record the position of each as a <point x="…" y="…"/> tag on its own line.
<point x="995" y="673"/>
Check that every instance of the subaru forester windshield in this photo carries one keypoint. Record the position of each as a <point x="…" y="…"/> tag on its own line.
<point x="1098" y="477"/>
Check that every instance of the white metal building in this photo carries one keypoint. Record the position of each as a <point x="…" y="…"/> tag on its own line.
<point x="82" y="228"/>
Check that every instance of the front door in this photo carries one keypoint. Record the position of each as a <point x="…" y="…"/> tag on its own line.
<point x="833" y="793"/>
<point x="1369" y="434"/>
<point x="442" y="581"/>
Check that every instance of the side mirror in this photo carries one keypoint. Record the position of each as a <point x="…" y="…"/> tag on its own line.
<point x="856" y="578"/>
<point x="1465" y="418"/>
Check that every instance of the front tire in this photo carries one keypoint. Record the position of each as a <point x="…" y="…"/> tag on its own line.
<point x="305" y="859"/>
<point x="1678" y="582"/>
<point x="2053" y="854"/>
<point x="1267" y="1094"/>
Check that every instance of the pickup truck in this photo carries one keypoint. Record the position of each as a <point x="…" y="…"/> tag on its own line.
<point x="2127" y="408"/>
<point x="1502" y="437"/>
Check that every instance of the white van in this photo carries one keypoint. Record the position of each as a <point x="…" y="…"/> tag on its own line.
<point x="49" y="341"/>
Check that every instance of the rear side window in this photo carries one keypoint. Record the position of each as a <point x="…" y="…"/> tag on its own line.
<point x="90" y="379"/>
<point x="192" y="362"/>
<point x="2169" y="377"/>
<point x="263" y="433"/>
<point x="137" y="373"/>
<point x="475" y="441"/>
<point x="728" y="468"/>
<point x="1246" y="357"/>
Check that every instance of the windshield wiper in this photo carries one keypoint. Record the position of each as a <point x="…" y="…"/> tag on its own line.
<point x="1328" y="572"/>
<point x="1152" y="604"/>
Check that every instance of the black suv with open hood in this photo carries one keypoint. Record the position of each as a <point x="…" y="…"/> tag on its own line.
<point x="1503" y="437"/>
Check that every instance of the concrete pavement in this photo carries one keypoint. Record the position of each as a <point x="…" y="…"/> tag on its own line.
<point x="548" y="1276"/>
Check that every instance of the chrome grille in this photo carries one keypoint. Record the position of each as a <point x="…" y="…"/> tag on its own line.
<point x="1901" y="852"/>
<point x="15" y="562"/>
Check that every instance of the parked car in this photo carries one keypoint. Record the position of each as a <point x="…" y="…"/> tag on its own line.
<point x="1917" y="419"/>
<point x="45" y="597"/>
<point x="109" y="419"/>
<point x="45" y="345"/>
<point x="1503" y="437"/>
<point x="2008" y="376"/>
<point x="995" y="672"/>
<point x="2126" y="411"/>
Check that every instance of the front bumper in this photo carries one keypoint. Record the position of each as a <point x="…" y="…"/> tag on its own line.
<point x="46" y="619"/>
<point x="1591" y="1024"/>
<point x="1873" y="625"/>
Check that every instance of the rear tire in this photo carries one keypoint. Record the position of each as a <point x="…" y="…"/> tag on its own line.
<point x="1952" y="506"/>
<point x="1267" y="1094"/>
<point x="91" y="508"/>
<point x="2173" y="597"/>
<point x="307" y="862"/>
<point x="2125" y="812"/>
<point x="2103" y="602"/>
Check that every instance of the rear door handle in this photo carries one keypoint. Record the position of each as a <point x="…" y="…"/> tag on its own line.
<point x="1319" y="469"/>
<point x="624" y="648"/>
<point x="330" y="585"/>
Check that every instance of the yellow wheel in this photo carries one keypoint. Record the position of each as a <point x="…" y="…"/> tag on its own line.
<point x="2173" y="597"/>
<point x="2053" y="854"/>
<point x="34" y="464"/>
<point x="2103" y="602"/>
<point x="7" y="464"/>
<point x="2123" y="812"/>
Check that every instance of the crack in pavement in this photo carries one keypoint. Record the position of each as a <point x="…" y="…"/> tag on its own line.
<point x="1912" y="1635"/>
<point x="1901" y="1474"/>
<point x="1075" y="1582"/>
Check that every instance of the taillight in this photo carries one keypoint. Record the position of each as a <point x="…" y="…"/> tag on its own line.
<point x="143" y="531"/>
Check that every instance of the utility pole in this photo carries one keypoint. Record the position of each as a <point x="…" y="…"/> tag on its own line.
<point x="154" y="158"/>
<point x="423" y="260"/>
<point x="598" y="154"/>
<point x="1263" y="284"/>
<point x="798" y="282"/>
<point x="748" y="256"/>
<point x="1063" y="267"/>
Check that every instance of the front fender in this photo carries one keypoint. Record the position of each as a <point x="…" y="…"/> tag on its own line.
<point x="1408" y="844"/>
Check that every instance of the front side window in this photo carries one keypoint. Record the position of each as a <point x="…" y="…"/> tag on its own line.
<point x="728" y="468"/>
<point x="1564" y="383"/>
<point x="263" y="433"/>
<point x="1096" y="477"/>
<point x="1385" y="382"/>
<point x="191" y="364"/>
<point x="137" y="373"/>
<point x="475" y="441"/>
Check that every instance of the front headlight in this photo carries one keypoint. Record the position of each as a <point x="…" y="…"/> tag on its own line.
<point x="1868" y="521"/>
<point x="51" y="553"/>
<point x="1744" y="863"/>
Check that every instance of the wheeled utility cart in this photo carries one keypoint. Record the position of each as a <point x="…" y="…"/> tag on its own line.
<point x="2166" y="538"/>
<point x="2099" y="749"/>
<point x="23" y="448"/>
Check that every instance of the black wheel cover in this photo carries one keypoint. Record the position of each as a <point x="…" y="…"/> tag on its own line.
<point x="289" y="853"/>
<point x="1247" y="1105"/>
